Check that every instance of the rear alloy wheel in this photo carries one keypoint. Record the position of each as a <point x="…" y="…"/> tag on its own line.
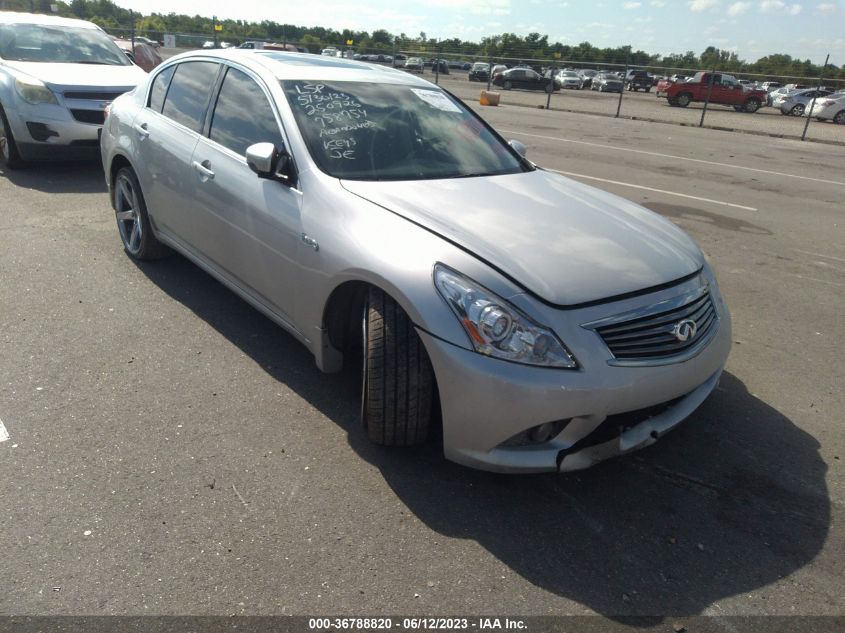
<point x="398" y="380"/>
<point x="839" y="117"/>
<point x="507" y="85"/>
<point x="683" y="99"/>
<point x="9" y="156"/>
<point x="133" y="223"/>
<point x="798" y="110"/>
<point x="751" y="106"/>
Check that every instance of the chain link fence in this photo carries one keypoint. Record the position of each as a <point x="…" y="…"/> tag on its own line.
<point x="724" y="99"/>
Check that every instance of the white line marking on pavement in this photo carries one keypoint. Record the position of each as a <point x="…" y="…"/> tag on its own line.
<point x="838" y="259"/>
<point x="670" y="193"/>
<point x="821" y="281"/>
<point x="4" y="434"/>
<point x="694" y="160"/>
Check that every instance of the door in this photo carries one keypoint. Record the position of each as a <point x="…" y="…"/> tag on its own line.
<point x="251" y="225"/>
<point x="167" y="130"/>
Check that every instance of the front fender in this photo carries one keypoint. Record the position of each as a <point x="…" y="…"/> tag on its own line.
<point x="361" y="241"/>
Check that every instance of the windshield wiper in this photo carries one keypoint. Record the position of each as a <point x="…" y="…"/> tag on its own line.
<point x="473" y="175"/>
<point x="88" y="61"/>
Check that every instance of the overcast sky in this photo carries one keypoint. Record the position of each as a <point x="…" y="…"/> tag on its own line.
<point x="803" y="29"/>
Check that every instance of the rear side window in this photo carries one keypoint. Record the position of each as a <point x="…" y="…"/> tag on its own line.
<point x="159" y="88"/>
<point x="243" y="115"/>
<point x="189" y="91"/>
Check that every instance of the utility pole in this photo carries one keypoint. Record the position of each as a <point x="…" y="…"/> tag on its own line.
<point x="813" y="102"/>
<point x="624" y="77"/>
<point x="132" y="30"/>
<point x="709" y="92"/>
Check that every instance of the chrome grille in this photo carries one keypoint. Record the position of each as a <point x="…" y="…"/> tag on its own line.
<point x="655" y="333"/>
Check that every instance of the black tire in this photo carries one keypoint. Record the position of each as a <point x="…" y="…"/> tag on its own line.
<point x="751" y="106"/>
<point x="507" y="85"/>
<point x="398" y="382"/>
<point x="672" y="102"/>
<point x="683" y="99"/>
<point x="10" y="158"/>
<point x="839" y="117"/>
<point x="797" y="110"/>
<point x="133" y="221"/>
<point x="648" y="89"/>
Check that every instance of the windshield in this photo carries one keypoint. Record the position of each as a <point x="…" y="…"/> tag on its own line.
<point x="567" y="73"/>
<point x="369" y="131"/>
<point x="69" y="45"/>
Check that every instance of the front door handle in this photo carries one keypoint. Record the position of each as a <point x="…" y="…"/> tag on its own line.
<point x="310" y="241"/>
<point x="204" y="170"/>
<point x="142" y="130"/>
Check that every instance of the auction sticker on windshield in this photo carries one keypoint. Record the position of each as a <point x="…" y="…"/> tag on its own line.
<point x="436" y="99"/>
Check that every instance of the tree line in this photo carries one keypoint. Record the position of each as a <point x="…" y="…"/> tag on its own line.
<point x="533" y="46"/>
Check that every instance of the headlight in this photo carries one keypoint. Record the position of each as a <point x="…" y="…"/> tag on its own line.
<point x="498" y="329"/>
<point x="34" y="91"/>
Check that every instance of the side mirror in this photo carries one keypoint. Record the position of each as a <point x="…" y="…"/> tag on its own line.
<point x="519" y="147"/>
<point x="268" y="162"/>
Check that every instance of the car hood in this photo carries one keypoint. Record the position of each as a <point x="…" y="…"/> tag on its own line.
<point x="64" y="76"/>
<point x="565" y="242"/>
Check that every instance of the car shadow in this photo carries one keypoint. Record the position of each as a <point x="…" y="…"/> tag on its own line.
<point x="731" y="501"/>
<point x="59" y="177"/>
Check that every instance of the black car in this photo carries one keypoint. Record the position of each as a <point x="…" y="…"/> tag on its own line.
<point x="638" y="80"/>
<point x="524" y="78"/>
<point x="440" y="66"/>
<point x="480" y="71"/>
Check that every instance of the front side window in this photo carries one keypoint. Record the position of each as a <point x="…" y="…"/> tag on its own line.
<point x="55" y="44"/>
<point x="189" y="91"/>
<point x="374" y="131"/>
<point x="243" y="115"/>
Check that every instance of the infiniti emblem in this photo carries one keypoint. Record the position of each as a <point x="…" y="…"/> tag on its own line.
<point x="684" y="330"/>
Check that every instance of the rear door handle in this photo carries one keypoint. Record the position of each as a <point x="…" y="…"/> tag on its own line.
<point x="204" y="170"/>
<point x="142" y="131"/>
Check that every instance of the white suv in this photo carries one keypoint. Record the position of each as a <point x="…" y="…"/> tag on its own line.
<point x="57" y="76"/>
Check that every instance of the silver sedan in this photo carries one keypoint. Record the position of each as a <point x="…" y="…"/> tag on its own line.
<point x="545" y="324"/>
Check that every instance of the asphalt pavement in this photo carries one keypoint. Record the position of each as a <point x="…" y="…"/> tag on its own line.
<point x="171" y="451"/>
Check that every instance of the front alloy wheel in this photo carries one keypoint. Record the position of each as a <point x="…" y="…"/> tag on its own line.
<point x="9" y="156"/>
<point x="797" y="110"/>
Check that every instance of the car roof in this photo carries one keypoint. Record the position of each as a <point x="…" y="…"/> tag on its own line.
<point x="10" y="17"/>
<point x="292" y="66"/>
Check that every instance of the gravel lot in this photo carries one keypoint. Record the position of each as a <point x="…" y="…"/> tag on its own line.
<point x="171" y="451"/>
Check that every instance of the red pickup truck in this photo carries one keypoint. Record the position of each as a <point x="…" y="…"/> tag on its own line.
<point x="726" y="90"/>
